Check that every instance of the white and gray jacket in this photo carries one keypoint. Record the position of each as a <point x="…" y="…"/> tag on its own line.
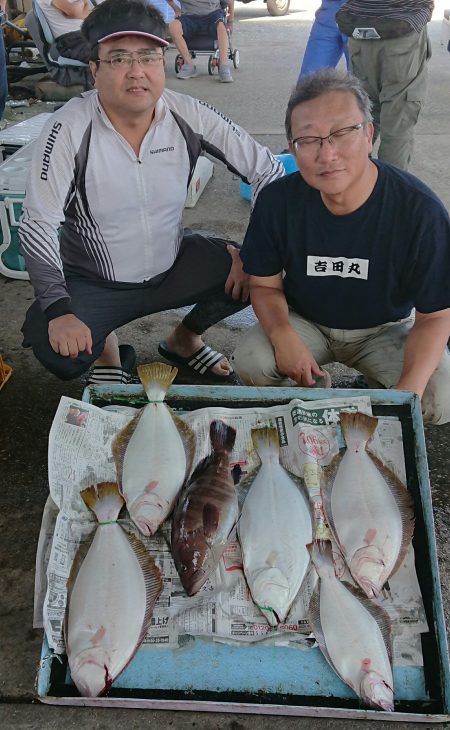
<point x="94" y="209"/>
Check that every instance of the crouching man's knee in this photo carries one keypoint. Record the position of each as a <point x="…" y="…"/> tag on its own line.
<point x="65" y="368"/>
<point x="254" y="360"/>
<point x="436" y="398"/>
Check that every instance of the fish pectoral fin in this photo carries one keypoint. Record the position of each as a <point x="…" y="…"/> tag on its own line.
<point x="211" y="516"/>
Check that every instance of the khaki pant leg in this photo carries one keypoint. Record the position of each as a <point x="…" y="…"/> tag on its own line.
<point x="380" y="358"/>
<point x="394" y="74"/>
<point x="254" y="358"/>
<point x="404" y="71"/>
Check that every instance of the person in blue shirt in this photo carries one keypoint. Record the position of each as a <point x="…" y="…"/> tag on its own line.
<point x="326" y="44"/>
<point x="349" y="259"/>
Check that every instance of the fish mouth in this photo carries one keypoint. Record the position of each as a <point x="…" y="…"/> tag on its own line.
<point x="148" y="514"/>
<point x="91" y="675"/>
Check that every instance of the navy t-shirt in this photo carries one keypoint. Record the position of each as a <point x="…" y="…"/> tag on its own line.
<point x="353" y="271"/>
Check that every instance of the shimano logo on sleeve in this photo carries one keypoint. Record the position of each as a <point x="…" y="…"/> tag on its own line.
<point x="50" y="143"/>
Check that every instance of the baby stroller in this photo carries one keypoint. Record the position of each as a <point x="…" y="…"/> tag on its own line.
<point x="204" y="45"/>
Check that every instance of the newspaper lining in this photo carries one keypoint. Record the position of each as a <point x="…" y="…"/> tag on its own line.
<point x="80" y="455"/>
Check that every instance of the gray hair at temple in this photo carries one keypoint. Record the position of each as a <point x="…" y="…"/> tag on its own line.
<point x="322" y="82"/>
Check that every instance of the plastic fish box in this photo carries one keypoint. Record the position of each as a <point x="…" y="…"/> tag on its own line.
<point x="13" y="176"/>
<point x="257" y="679"/>
<point x="20" y="134"/>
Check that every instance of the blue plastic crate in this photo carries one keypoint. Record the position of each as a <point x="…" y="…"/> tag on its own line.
<point x="289" y="164"/>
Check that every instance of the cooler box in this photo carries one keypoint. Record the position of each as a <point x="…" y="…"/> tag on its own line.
<point x="205" y="675"/>
<point x="18" y="135"/>
<point x="202" y="173"/>
<point x="289" y="164"/>
<point x="13" y="175"/>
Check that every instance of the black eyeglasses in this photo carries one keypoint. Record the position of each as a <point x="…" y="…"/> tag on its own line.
<point x="125" y="60"/>
<point x="313" y="144"/>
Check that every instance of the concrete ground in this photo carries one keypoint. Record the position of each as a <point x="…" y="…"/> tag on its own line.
<point x="270" y="50"/>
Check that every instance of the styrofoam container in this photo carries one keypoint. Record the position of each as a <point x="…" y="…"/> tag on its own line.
<point x="202" y="173"/>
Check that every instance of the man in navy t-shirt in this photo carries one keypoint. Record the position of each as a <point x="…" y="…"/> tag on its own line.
<point x="349" y="259"/>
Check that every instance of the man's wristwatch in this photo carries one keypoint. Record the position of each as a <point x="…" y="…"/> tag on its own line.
<point x="3" y="17"/>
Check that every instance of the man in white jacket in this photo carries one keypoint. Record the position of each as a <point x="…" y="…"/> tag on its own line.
<point x="101" y="230"/>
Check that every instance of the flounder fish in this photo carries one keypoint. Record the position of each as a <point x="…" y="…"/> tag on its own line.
<point x="353" y="633"/>
<point x="111" y="596"/>
<point x="274" y="528"/>
<point x="369" y="510"/>
<point x="153" y="453"/>
<point x="206" y="512"/>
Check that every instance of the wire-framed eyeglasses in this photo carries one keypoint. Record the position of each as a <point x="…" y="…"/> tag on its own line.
<point x="125" y="60"/>
<point x="337" y="138"/>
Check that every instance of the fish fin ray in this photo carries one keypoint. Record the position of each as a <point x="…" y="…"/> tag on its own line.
<point x="378" y="614"/>
<point x="104" y="500"/>
<point x="326" y="487"/>
<point x="316" y="625"/>
<point x="201" y="467"/>
<point x="405" y="504"/>
<point x="153" y="582"/>
<point x="265" y="440"/>
<point x="156" y="378"/>
<point x="300" y="484"/>
<point x="245" y="484"/>
<point x="188" y="438"/>
<point x="222" y="436"/>
<point x="120" y="443"/>
<point x="75" y="568"/>
<point x="357" y="426"/>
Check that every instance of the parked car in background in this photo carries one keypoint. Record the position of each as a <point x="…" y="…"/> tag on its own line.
<point x="275" y="7"/>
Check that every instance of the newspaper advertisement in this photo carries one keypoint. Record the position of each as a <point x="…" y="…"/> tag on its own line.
<point x="80" y="455"/>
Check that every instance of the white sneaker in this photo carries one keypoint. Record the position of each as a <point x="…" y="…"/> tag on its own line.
<point x="187" y="71"/>
<point x="225" y="74"/>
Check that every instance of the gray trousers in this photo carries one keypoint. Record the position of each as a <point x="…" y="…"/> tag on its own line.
<point x="394" y="74"/>
<point x="197" y="277"/>
<point x="376" y="352"/>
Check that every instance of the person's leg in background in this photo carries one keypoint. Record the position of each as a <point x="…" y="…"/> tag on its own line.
<point x="180" y="30"/>
<point x="326" y="44"/>
<point x="394" y="74"/>
<point x="222" y="42"/>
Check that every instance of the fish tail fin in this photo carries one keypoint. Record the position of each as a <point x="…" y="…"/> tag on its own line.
<point x="321" y="553"/>
<point x="265" y="441"/>
<point x="357" y="429"/>
<point x="222" y="436"/>
<point x="104" y="500"/>
<point x="156" y="377"/>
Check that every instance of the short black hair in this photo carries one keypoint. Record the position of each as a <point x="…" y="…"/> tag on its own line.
<point x="116" y="15"/>
<point x="324" y="81"/>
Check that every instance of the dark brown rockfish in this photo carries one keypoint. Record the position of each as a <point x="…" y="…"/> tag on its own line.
<point x="206" y="512"/>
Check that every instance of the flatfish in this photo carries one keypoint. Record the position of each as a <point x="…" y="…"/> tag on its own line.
<point x="353" y="633"/>
<point x="153" y="453"/>
<point x="274" y="528"/>
<point x="111" y="596"/>
<point x="369" y="510"/>
<point x="206" y="512"/>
